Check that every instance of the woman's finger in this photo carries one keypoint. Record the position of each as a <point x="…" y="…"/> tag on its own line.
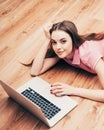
<point x="60" y="94"/>
<point x="57" y="84"/>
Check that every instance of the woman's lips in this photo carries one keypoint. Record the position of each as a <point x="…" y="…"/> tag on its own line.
<point x="60" y="52"/>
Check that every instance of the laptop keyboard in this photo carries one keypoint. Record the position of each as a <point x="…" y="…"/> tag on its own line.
<point x="47" y="107"/>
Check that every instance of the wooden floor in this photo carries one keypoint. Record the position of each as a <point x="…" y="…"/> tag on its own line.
<point x="21" y="24"/>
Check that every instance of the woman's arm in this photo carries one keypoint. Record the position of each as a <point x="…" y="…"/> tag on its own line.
<point x="42" y="64"/>
<point x="60" y="89"/>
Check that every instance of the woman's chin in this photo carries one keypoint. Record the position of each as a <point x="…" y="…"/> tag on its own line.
<point x="61" y="56"/>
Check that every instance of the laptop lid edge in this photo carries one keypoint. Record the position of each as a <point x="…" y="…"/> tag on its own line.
<point x="25" y="103"/>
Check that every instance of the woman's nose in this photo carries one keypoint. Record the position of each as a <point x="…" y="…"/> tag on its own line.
<point x="58" y="46"/>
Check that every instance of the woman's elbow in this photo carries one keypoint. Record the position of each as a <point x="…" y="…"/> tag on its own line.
<point x="37" y="72"/>
<point x="33" y="74"/>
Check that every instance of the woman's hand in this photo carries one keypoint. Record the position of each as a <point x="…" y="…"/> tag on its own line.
<point x="61" y="89"/>
<point x="46" y="29"/>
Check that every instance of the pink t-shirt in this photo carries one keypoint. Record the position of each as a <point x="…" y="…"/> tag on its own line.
<point x="87" y="55"/>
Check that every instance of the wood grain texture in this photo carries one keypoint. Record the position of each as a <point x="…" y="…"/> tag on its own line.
<point x="21" y="36"/>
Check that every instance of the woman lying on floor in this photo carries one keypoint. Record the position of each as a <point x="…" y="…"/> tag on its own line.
<point x="83" y="51"/>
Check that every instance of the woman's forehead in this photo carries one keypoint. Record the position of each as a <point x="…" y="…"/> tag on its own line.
<point x="59" y="34"/>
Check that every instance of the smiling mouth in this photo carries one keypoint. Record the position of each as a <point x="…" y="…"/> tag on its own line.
<point x="59" y="52"/>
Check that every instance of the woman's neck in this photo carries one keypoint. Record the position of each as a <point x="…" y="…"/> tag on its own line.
<point x="70" y="56"/>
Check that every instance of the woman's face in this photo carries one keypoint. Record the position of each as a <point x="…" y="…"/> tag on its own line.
<point x="62" y="44"/>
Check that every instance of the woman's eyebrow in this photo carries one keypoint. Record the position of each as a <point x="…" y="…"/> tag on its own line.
<point x="62" y="39"/>
<point x="52" y="40"/>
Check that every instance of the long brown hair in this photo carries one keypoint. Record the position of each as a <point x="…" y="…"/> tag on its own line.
<point x="70" y="28"/>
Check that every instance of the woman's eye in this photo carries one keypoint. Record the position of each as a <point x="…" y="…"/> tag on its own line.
<point x="53" y="42"/>
<point x="63" y="41"/>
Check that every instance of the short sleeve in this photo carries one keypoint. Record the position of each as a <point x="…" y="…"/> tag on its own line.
<point x="90" y="53"/>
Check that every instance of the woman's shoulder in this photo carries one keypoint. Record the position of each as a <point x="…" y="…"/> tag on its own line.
<point x="90" y="52"/>
<point x="85" y="48"/>
<point x="91" y="47"/>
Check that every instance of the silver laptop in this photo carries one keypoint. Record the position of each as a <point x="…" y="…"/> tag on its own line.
<point x="35" y="96"/>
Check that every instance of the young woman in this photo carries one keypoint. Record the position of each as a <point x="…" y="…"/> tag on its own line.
<point x="83" y="51"/>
